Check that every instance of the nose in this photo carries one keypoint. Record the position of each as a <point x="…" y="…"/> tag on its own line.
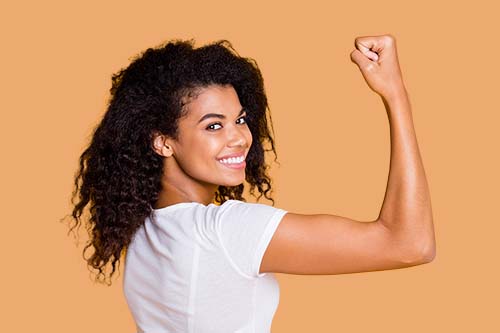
<point x="237" y="137"/>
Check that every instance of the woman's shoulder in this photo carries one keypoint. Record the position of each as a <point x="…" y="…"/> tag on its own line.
<point x="231" y="209"/>
<point x="242" y="210"/>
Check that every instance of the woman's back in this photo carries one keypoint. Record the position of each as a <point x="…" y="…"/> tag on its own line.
<point x="195" y="268"/>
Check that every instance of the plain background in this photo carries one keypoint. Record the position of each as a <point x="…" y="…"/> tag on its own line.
<point x="332" y="137"/>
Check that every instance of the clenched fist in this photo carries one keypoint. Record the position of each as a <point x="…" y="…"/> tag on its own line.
<point x="377" y="59"/>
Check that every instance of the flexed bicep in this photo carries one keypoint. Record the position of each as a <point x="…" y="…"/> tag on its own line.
<point x="328" y="244"/>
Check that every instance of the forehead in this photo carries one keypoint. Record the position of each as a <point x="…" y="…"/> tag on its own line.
<point x="212" y="99"/>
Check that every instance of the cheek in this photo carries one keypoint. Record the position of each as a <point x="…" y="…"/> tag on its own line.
<point x="210" y="147"/>
<point x="201" y="151"/>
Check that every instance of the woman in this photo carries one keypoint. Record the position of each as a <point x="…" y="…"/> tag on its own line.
<point x="163" y="177"/>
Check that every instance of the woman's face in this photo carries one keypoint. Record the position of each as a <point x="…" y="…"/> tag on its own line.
<point x="213" y="130"/>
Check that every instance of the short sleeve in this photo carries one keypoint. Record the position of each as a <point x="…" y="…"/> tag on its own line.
<point x="245" y="230"/>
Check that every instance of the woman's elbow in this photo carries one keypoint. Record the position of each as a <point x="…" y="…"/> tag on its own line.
<point x="427" y="251"/>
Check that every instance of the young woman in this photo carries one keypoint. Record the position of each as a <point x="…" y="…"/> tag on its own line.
<point x="163" y="178"/>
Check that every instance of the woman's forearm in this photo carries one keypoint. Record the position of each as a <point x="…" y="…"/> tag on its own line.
<point x="406" y="210"/>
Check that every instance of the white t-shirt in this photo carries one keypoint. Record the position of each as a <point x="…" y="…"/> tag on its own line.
<point x="196" y="269"/>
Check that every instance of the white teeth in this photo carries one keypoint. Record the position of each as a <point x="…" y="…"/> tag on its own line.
<point x="233" y="160"/>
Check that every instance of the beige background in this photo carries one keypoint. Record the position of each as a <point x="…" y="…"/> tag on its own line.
<point x="332" y="137"/>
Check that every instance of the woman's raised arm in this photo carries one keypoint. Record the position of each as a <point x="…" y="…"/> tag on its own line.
<point x="403" y="234"/>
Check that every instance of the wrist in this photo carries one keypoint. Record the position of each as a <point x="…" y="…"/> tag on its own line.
<point x="396" y="96"/>
<point x="397" y="104"/>
<point x="397" y="92"/>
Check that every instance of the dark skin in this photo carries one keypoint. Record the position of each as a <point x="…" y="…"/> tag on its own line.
<point x="192" y="170"/>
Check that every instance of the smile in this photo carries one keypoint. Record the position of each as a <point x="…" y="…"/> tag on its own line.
<point x="234" y="162"/>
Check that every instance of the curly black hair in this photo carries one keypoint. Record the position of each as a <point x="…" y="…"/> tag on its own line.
<point x="119" y="174"/>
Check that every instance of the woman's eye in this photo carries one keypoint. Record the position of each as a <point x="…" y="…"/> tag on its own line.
<point x="244" y="119"/>
<point x="210" y="127"/>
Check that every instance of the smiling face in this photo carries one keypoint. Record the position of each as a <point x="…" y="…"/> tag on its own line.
<point x="213" y="138"/>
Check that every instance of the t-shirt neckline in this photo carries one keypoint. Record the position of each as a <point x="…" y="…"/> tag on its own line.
<point x="177" y="205"/>
<point x="184" y="204"/>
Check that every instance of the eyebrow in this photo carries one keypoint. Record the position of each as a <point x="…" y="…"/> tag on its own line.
<point x="218" y="115"/>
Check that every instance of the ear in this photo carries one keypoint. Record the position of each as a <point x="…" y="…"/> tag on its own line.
<point x="161" y="145"/>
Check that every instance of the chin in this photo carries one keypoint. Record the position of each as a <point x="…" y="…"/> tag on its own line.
<point x="232" y="183"/>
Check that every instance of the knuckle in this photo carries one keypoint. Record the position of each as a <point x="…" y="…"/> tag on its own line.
<point x="359" y="39"/>
<point x="369" y="67"/>
<point x="389" y="38"/>
<point x="353" y="53"/>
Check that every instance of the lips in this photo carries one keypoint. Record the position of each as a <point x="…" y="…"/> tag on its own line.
<point x="233" y="164"/>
